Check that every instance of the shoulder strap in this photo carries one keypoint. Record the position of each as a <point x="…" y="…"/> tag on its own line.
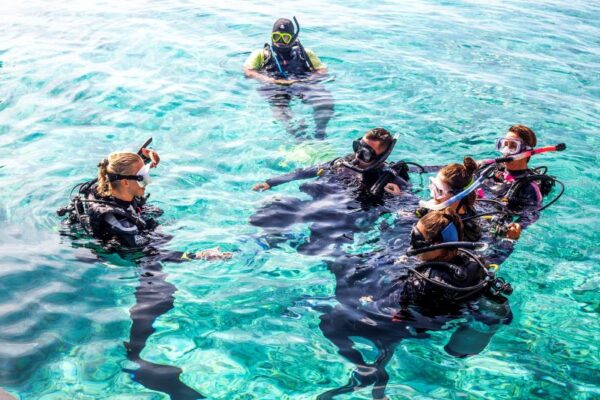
<point x="309" y="63"/>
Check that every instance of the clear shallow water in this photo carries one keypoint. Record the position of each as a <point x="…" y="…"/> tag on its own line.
<point x="78" y="82"/>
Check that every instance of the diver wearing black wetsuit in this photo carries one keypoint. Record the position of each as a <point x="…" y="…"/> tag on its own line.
<point x="347" y="197"/>
<point x="126" y="224"/>
<point x="393" y="301"/>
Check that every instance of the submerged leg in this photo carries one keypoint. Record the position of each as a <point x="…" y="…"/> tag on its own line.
<point x="381" y="376"/>
<point x="279" y="99"/>
<point x="154" y="297"/>
<point x="322" y="104"/>
<point x="335" y="327"/>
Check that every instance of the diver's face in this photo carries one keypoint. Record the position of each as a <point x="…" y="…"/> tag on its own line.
<point x="517" y="164"/>
<point x="439" y="189"/>
<point x="377" y="147"/>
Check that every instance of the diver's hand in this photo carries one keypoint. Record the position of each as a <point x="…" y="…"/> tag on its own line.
<point x="261" y="187"/>
<point x="393" y="189"/>
<point x="213" y="254"/>
<point x="513" y="231"/>
<point x="152" y="155"/>
<point x="285" y="82"/>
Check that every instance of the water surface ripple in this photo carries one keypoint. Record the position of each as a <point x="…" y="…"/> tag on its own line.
<point x="79" y="80"/>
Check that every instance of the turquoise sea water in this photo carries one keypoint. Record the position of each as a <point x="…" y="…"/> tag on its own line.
<point x="78" y="81"/>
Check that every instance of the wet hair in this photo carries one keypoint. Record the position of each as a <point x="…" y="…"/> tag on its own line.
<point x="459" y="176"/>
<point x="434" y="222"/>
<point x="525" y="133"/>
<point x="116" y="163"/>
<point x="380" y="135"/>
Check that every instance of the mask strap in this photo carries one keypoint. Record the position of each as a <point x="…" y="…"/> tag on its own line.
<point x="118" y="177"/>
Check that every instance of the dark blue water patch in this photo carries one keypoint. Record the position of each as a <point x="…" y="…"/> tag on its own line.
<point x="91" y="76"/>
<point x="86" y="94"/>
<point x="197" y="111"/>
<point x="124" y="125"/>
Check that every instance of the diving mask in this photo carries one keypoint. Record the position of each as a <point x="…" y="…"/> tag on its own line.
<point x="363" y="151"/>
<point x="281" y="37"/>
<point x="509" y="147"/>
<point x="143" y="176"/>
<point x="437" y="189"/>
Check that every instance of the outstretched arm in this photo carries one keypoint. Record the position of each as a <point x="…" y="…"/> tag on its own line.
<point x="299" y="174"/>
<point x="128" y="234"/>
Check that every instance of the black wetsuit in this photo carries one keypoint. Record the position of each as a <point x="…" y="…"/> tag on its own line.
<point x="521" y="199"/>
<point x="295" y="65"/>
<point x="129" y="228"/>
<point x="393" y="304"/>
<point x="524" y="196"/>
<point x="341" y="204"/>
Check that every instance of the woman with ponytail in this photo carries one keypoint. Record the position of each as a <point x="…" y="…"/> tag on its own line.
<point x="113" y="209"/>
<point x="453" y="179"/>
<point x="445" y="287"/>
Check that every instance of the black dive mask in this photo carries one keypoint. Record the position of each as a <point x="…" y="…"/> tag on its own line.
<point x="363" y="151"/>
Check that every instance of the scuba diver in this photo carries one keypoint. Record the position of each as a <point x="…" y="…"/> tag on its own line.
<point x="400" y="300"/>
<point x="520" y="187"/>
<point x="347" y="197"/>
<point x="452" y="180"/>
<point x="288" y="70"/>
<point x="113" y="209"/>
<point x="507" y="193"/>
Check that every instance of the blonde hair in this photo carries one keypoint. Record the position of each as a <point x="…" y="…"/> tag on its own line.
<point x="116" y="163"/>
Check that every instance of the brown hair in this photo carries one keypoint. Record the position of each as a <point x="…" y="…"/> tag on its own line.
<point x="379" y="135"/>
<point x="525" y="133"/>
<point x="116" y="163"/>
<point x="434" y="222"/>
<point x="459" y="176"/>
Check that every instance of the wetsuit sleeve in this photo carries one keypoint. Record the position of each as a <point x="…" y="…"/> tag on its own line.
<point x="256" y="60"/>
<point x="302" y="173"/>
<point x="173" y="256"/>
<point x="314" y="59"/>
